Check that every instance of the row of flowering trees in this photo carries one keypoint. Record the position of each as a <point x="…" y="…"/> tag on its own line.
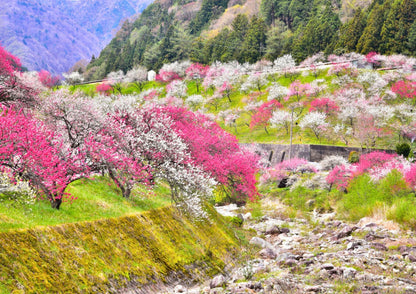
<point x="63" y="136"/>
<point x="334" y="172"/>
<point x="346" y="105"/>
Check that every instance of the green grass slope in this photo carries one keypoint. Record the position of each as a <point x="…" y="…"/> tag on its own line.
<point x="101" y="256"/>
<point x="97" y="198"/>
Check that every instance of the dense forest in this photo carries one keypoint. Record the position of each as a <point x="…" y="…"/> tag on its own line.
<point x="169" y="31"/>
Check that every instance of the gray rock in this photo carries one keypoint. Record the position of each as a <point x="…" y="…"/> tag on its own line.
<point x="345" y="232"/>
<point x="267" y="253"/>
<point x="272" y="229"/>
<point x="412" y="258"/>
<point x="379" y="246"/>
<point x="327" y="266"/>
<point x="260" y="242"/>
<point x="247" y="216"/>
<point x="353" y="245"/>
<point x="218" y="281"/>
<point x="179" y="289"/>
<point x="284" y="230"/>
<point x="349" y="273"/>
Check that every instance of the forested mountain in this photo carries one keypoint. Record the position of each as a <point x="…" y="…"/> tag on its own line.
<point x="53" y="35"/>
<point x="249" y="30"/>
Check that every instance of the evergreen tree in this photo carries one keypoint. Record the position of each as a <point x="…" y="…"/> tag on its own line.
<point x="389" y="44"/>
<point x="317" y="34"/>
<point x="278" y="39"/>
<point x="370" y="39"/>
<point x="351" y="32"/>
<point x="411" y="43"/>
<point x="255" y="40"/>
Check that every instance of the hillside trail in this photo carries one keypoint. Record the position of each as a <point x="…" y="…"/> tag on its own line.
<point x="317" y="254"/>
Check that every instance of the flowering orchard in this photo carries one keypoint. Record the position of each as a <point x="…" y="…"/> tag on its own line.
<point x="134" y="139"/>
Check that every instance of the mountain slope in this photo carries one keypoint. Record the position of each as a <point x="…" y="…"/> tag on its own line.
<point x="249" y="30"/>
<point x="54" y="35"/>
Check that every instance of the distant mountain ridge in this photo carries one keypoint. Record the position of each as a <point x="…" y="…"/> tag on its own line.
<point x="53" y="35"/>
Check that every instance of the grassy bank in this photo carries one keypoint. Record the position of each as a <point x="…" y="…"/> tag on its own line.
<point x="97" y="198"/>
<point x="104" y="255"/>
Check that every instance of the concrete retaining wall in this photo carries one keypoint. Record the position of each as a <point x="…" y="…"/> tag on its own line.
<point x="276" y="153"/>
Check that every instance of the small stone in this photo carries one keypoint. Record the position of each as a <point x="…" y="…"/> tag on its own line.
<point x="412" y="258"/>
<point x="327" y="266"/>
<point x="284" y="230"/>
<point x="247" y="216"/>
<point x="254" y="286"/>
<point x="353" y="245"/>
<point x="218" y="281"/>
<point x="260" y="242"/>
<point x="291" y="262"/>
<point x="310" y="203"/>
<point x="379" y="246"/>
<point x="272" y="230"/>
<point x="241" y="217"/>
<point x="179" y="289"/>
<point x="349" y="273"/>
<point x="345" y="232"/>
<point x="371" y="225"/>
<point x="316" y="289"/>
<point x="267" y="253"/>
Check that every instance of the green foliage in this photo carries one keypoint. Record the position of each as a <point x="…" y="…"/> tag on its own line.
<point x="210" y="10"/>
<point x="103" y="255"/>
<point x="353" y="157"/>
<point x="236" y="221"/>
<point x="403" y="149"/>
<point x="97" y="198"/>
<point x="306" y="200"/>
<point x="297" y="27"/>
<point x="365" y="197"/>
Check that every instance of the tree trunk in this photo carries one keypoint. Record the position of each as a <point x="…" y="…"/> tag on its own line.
<point x="56" y="203"/>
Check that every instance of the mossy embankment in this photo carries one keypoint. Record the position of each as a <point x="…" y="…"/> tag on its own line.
<point x="138" y="251"/>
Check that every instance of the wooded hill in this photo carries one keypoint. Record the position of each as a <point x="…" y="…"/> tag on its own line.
<point x="249" y="30"/>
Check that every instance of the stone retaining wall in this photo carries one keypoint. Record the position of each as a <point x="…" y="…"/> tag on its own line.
<point x="276" y="153"/>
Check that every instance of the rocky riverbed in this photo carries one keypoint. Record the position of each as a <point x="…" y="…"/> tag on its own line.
<point x="318" y="254"/>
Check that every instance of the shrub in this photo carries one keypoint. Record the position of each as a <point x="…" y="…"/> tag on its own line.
<point x="330" y="162"/>
<point x="403" y="149"/>
<point x="353" y="157"/>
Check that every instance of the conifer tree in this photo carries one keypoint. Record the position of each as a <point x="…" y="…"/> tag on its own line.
<point x="370" y="39"/>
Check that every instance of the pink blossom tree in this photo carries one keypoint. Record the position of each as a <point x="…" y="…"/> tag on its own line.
<point x="217" y="153"/>
<point x="12" y="90"/>
<point x="103" y="88"/>
<point x="405" y="89"/>
<point x="35" y="154"/>
<point x="324" y="105"/>
<point x="197" y="72"/>
<point x="47" y="79"/>
<point x="263" y="114"/>
<point x="298" y="90"/>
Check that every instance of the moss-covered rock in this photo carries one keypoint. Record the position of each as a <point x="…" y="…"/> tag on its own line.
<point x="104" y="256"/>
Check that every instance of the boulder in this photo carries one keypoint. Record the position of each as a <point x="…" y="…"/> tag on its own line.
<point x="218" y="281"/>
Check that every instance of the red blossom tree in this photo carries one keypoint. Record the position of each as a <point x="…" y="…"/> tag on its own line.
<point x="324" y="105"/>
<point x="104" y="89"/>
<point x="12" y="90"/>
<point x="263" y="114"/>
<point x="47" y="79"/>
<point x="217" y="152"/>
<point x="33" y="153"/>
<point x="405" y="89"/>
